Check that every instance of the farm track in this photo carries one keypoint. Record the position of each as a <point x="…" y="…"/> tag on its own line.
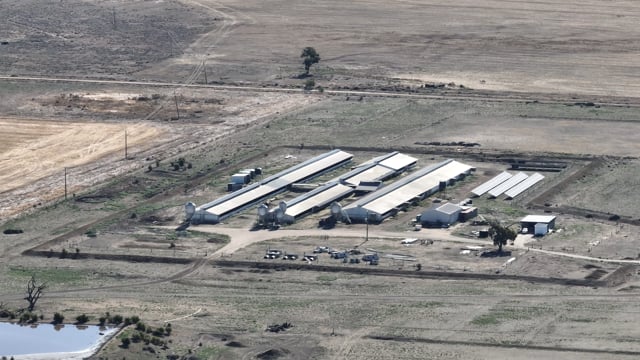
<point x="502" y="345"/>
<point x="444" y="95"/>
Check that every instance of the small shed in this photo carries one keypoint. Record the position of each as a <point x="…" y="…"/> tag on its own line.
<point x="444" y="214"/>
<point x="538" y="224"/>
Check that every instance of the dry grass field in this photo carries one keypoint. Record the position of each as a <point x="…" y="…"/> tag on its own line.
<point x="217" y="86"/>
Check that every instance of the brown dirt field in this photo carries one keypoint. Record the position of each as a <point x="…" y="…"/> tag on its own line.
<point x="44" y="147"/>
<point x="523" y="79"/>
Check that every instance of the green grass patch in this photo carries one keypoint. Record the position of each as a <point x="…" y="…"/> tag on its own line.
<point x="49" y="276"/>
<point x="326" y="278"/>
<point x="211" y="352"/>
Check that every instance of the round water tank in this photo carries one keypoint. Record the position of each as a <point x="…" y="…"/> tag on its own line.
<point x="336" y="208"/>
<point x="190" y="209"/>
<point x="263" y="210"/>
<point x="279" y="215"/>
<point x="283" y="206"/>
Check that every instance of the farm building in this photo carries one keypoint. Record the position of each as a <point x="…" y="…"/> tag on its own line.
<point x="390" y="199"/>
<point x="538" y="224"/>
<point x="221" y="208"/>
<point x="441" y="214"/>
<point x="363" y="176"/>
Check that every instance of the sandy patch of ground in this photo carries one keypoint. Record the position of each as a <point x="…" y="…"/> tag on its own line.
<point x="41" y="148"/>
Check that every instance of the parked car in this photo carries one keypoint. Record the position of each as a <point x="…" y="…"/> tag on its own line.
<point x="339" y="255"/>
<point x="321" y="249"/>
<point x="354" y="261"/>
<point x="370" y="257"/>
<point x="310" y="258"/>
<point x="290" y="257"/>
<point x="271" y="256"/>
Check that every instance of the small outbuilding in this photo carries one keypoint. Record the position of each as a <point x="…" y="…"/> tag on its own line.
<point x="538" y="224"/>
<point x="444" y="214"/>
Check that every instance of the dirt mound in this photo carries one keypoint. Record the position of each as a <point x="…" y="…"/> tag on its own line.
<point x="272" y="354"/>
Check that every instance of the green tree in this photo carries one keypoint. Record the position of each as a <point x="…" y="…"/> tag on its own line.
<point x="500" y="234"/>
<point x="309" y="57"/>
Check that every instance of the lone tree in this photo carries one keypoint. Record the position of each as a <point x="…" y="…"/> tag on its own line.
<point x="310" y="56"/>
<point x="500" y="234"/>
<point x="34" y="291"/>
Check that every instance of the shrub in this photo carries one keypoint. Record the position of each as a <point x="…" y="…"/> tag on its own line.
<point x="116" y="319"/>
<point x="81" y="319"/>
<point x="125" y="342"/>
<point x="309" y="84"/>
<point x="135" y="319"/>
<point x="58" y="318"/>
<point x="141" y="327"/>
<point x="102" y="320"/>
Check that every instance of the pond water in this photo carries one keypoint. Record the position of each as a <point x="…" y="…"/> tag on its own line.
<point x="49" y="339"/>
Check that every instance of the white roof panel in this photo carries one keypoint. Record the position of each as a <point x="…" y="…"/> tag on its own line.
<point x="241" y="200"/>
<point x="417" y="187"/>
<point x="276" y="182"/>
<point x="513" y="181"/>
<point x="398" y="161"/>
<point x="320" y="199"/>
<point x="497" y="180"/>
<point x="371" y="174"/>
<point x="523" y="186"/>
<point x="315" y="167"/>
<point x="538" y="219"/>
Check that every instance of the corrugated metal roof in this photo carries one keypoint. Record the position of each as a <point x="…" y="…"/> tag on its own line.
<point x="415" y="188"/>
<point x="449" y="208"/>
<point x="523" y="186"/>
<point x="497" y="180"/>
<point x="538" y="219"/>
<point x="276" y="183"/>
<point x="513" y="181"/>
<point x="242" y="199"/>
<point x="398" y="161"/>
<point x="317" y="198"/>
<point x="374" y="173"/>
<point x="315" y="167"/>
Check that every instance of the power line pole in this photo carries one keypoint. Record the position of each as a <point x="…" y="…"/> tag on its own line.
<point x="65" y="183"/>
<point x="204" y="66"/>
<point x="177" y="109"/>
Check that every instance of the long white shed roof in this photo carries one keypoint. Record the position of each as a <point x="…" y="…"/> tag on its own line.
<point x="497" y="180"/>
<point x="513" y="181"/>
<point x="386" y="199"/>
<point x="373" y="173"/>
<point x="398" y="161"/>
<point x="317" y="198"/>
<point x="523" y="186"/>
<point x="276" y="183"/>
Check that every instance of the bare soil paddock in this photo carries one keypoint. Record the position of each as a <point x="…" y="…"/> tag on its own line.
<point x="571" y="65"/>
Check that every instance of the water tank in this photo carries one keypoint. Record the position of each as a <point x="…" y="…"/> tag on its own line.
<point x="263" y="210"/>
<point x="283" y="207"/>
<point x="189" y="209"/>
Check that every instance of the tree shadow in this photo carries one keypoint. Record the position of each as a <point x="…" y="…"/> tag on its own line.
<point x="495" y="253"/>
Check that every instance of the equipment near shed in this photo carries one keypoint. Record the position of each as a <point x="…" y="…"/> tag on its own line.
<point x="240" y="178"/>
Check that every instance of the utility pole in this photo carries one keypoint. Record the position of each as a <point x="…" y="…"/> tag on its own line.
<point x="366" y="220"/>
<point x="175" y="97"/>
<point x="204" y="66"/>
<point x="65" y="183"/>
